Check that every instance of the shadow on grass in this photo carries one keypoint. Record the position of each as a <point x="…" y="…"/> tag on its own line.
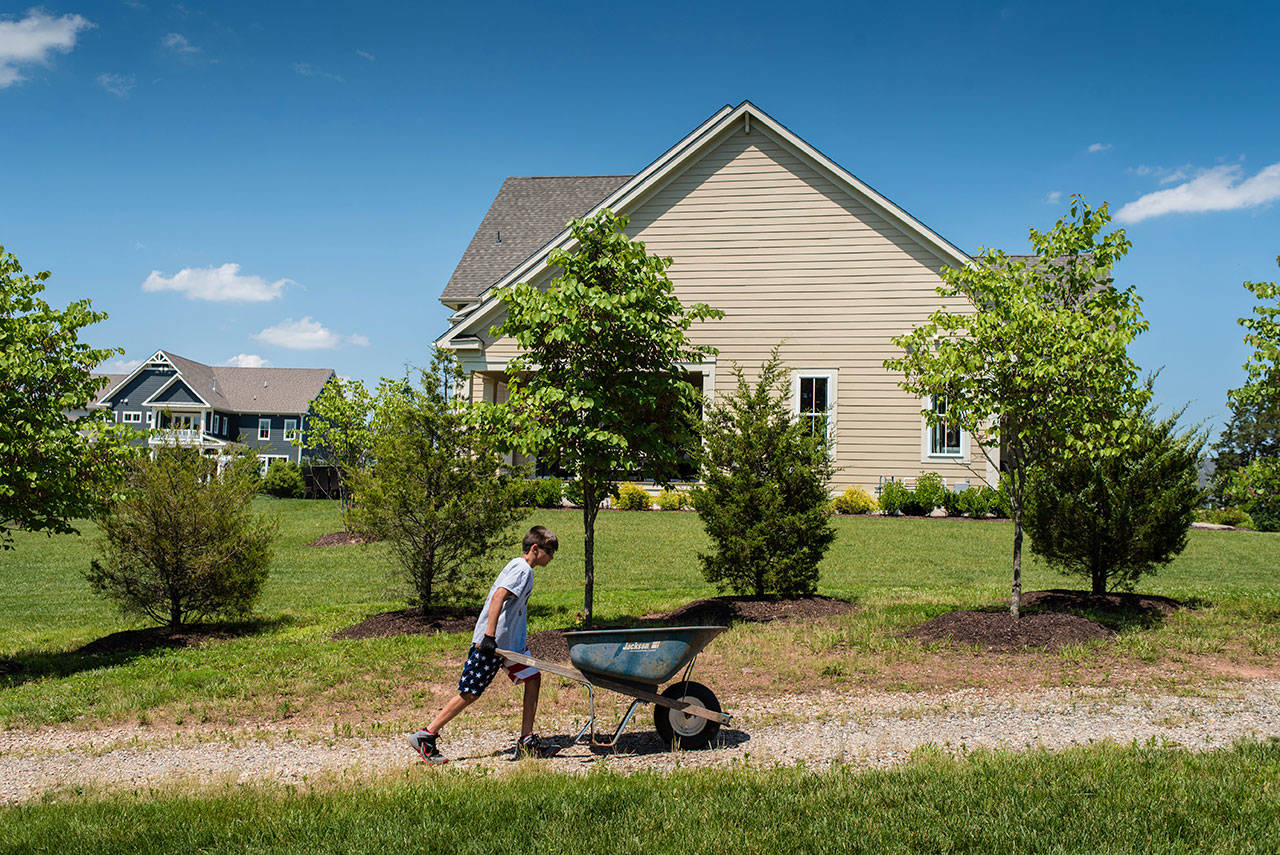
<point x="640" y="743"/>
<point x="119" y="648"/>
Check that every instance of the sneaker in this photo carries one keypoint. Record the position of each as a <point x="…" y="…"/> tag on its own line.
<point x="425" y="744"/>
<point x="533" y="746"/>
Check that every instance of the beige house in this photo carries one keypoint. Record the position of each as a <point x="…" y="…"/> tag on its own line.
<point x="795" y="250"/>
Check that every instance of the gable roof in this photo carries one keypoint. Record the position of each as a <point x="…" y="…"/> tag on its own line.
<point x="700" y="140"/>
<point x="526" y="213"/>
<point x="239" y="390"/>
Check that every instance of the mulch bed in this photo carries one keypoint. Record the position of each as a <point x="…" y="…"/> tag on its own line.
<point x="339" y="538"/>
<point x="155" y="638"/>
<point x="411" y="622"/>
<point x="1050" y="620"/>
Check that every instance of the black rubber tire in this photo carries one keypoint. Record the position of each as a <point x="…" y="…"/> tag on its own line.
<point x="680" y="731"/>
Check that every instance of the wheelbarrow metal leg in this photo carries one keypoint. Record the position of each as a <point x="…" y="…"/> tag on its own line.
<point x="621" y="727"/>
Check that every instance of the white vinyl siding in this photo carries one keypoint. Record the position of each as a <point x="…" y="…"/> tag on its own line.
<point x="264" y="429"/>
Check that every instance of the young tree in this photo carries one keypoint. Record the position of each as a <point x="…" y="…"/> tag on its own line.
<point x="1116" y="518"/>
<point x="53" y="469"/>
<point x="339" y="433"/>
<point x="599" y="385"/>
<point x="434" y="487"/>
<point x="764" y="501"/>
<point x="1032" y="354"/>
<point x="182" y="543"/>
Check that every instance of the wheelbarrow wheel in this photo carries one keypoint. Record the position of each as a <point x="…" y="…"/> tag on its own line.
<point x="687" y="731"/>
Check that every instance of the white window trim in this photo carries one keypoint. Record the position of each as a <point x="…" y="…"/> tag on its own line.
<point x="132" y="417"/>
<point x="151" y="418"/>
<point x="831" y="375"/>
<point x="268" y="424"/>
<point x="926" y="440"/>
<point x="265" y="460"/>
<point x="290" y="433"/>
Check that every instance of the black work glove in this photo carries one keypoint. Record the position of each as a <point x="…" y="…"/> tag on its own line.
<point x="489" y="645"/>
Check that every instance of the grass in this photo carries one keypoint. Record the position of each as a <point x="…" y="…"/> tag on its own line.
<point x="284" y="667"/>
<point x="1136" y="799"/>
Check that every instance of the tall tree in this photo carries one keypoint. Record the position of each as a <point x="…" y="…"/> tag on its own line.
<point x="599" y="384"/>
<point x="339" y="432"/>
<point x="1031" y="354"/>
<point x="53" y="468"/>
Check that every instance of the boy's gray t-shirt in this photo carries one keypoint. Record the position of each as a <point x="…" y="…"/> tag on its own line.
<point x="512" y="634"/>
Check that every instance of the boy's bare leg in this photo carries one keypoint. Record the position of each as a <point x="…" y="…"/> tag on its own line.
<point x="456" y="705"/>
<point x="531" y="687"/>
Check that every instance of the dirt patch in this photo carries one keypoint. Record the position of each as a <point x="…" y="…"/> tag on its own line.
<point x="1114" y="611"/>
<point x="1000" y="631"/>
<point x="339" y="538"/>
<point x="411" y="622"/>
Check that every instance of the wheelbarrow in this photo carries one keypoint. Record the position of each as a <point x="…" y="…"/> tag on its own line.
<point x="635" y="662"/>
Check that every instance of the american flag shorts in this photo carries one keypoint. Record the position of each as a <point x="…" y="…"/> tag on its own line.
<point x="479" y="670"/>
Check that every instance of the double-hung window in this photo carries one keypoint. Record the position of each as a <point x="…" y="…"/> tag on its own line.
<point x="264" y="428"/>
<point x="944" y="437"/>
<point x="133" y="417"/>
<point x="290" y="429"/>
<point x="815" y="398"/>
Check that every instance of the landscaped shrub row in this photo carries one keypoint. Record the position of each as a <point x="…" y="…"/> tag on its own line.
<point x="931" y="493"/>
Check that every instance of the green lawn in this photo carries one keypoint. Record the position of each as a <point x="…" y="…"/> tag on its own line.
<point x="900" y="572"/>
<point x="1141" y="800"/>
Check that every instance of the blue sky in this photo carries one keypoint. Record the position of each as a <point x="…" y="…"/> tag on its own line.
<point x="320" y="167"/>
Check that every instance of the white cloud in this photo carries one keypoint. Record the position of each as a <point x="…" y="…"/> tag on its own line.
<point x="33" y="39"/>
<point x="178" y="43"/>
<point x="247" y="360"/>
<point x="306" y="334"/>
<point x="119" y="366"/>
<point x="364" y="54"/>
<point x="218" y="284"/>
<point x="1161" y="173"/>
<point x="119" y="85"/>
<point x="306" y="69"/>
<point x="1216" y="189"/>
<point x="1053" y="197"/>
<point x="1099" y="146"/>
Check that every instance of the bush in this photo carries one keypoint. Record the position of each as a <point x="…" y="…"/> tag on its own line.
<point x="930" y="492"/>
<point x="283" y="480"/>
<point x="998" y="499"/>
<point x="633" y="497"/>
<point x="182" y="543"/>
<point x="1116" y="517"/>
<point x="976" y="502"/>
<point x="573" y="493"/>
<point x="673" y="500"/>
<point x="1255" y="489"/>
<point x="548" y="493"/>
<point x="1226" y="516"/>
<point x="764" y="504"/>
<point x="894" y="497"/>
<point x="951" y="502"/>
<point x="854" y="500"/>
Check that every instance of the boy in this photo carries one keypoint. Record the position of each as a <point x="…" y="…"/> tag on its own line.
<point x="502" y="623"/>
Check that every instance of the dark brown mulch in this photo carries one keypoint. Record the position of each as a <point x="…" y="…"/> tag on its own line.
<point x="551" y="644"/>
<point x="8" y="666"/>
<point x="411" y="622"/>
<point x="1112" y="610"/>
<point x="998" y="630"/>
<point x="154" y="638"/>
<point x="339" y="538"/>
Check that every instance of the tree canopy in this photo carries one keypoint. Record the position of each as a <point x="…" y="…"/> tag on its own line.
<point x="600" y="385"/>
<point x="54" y="468"/>
<point x="1031" y="354"/>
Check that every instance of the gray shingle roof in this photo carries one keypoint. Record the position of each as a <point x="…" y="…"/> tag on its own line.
<point x="249" y="390"/>
<point x="527" y="213"/>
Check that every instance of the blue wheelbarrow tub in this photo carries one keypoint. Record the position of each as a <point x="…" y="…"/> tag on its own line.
<point x="649" y="656"/>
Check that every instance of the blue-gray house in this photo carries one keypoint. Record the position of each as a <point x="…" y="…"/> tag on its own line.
<point x="182" y="401"/>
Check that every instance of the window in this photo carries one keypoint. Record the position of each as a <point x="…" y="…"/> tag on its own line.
<point x="265" y="461"/>
<point x="133" y="417"/>
<point x="815" y="395"/>
<point x="290" y="429"/>
<point x="264" y="428"/>
<point x="151" y="418"/>
<point x="944" y="438"/>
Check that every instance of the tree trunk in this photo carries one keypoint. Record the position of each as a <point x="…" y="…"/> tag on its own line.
<point x="175" y="613"/>
<point x="1099" y="581"/>
<point x="1015" y="595"/>
<point x="590" y="504"/>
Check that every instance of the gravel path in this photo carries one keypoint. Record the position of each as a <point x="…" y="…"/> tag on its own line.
<point x="817" y="731"/>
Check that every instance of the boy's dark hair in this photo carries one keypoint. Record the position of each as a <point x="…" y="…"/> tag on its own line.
<point x="541" y="537"/>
